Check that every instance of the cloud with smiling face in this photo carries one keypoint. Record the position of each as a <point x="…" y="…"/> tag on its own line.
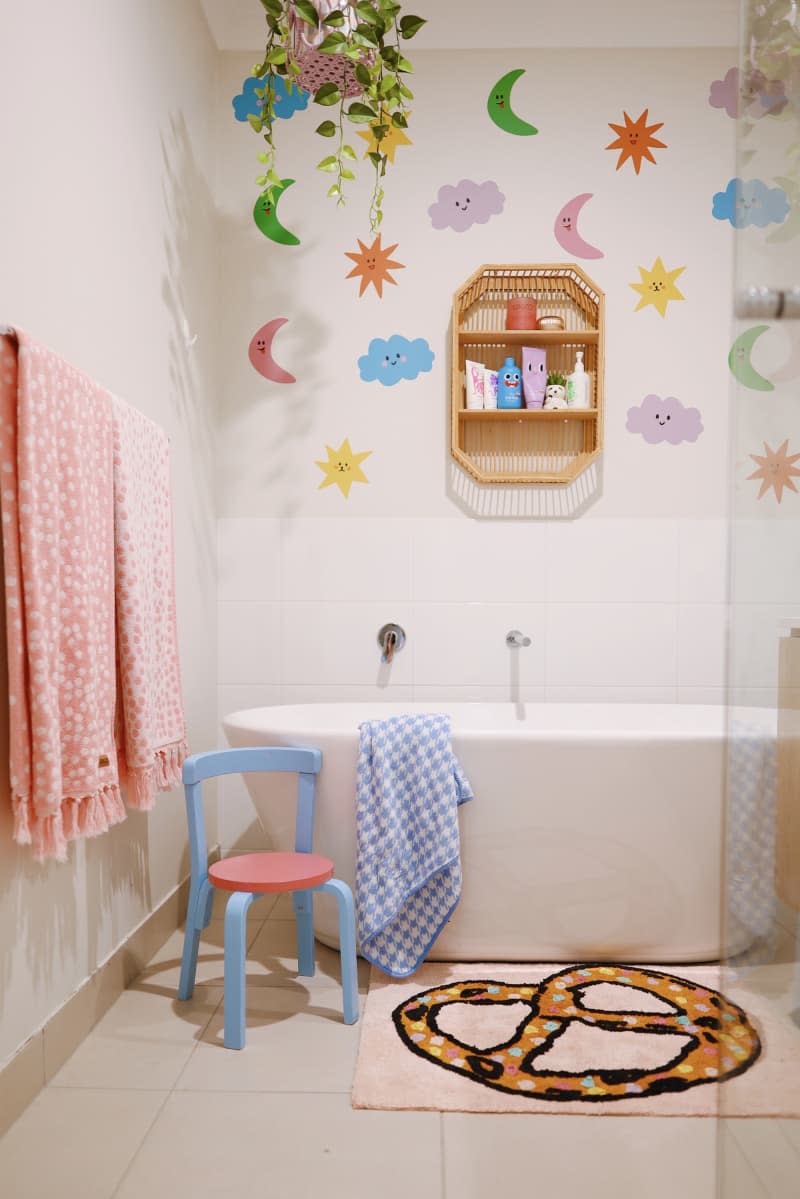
<point x="389" y="361"/>
<point x="665" y="419"/>
<point x="465" y="204"/>
<point x="287" y="103"/>
<point x="750" y="202"/>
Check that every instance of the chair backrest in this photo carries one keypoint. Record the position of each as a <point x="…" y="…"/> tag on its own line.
<point x="306" y="763"/>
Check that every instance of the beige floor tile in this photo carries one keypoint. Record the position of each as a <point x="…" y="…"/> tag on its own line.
<point x="142" y="1043"/>
<point x="286" y="1147"/>
<point x="163" y="970"/>
<point x="770" y="1155"/>
<point x="570" y="1157"/>
<point x="21" y="1081"/>
<point x="75" y="1144"/>
<point x="791" y="1130"/>
<point x="294" y="1043"/>
<point x="272" y="961"/>
<point x="735" y="1176"/>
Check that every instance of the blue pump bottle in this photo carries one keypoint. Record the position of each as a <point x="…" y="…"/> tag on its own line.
<point x="509" y="385"/>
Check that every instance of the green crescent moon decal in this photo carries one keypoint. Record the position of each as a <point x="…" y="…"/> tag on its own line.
<point x="499" y="106"/>
<point x="740" y="364"/>
<point x="265" y="216"/>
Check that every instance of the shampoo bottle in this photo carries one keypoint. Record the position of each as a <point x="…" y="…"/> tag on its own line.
<point x="509" y="385"/>
<point x="578" y="385"/>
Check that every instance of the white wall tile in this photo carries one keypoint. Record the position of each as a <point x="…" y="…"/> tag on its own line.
<point x="755" y="638"/>
<point x="248" y="648"/>
<point x="249" y="559"/>
<point x="703" y="561"/>
<point x="464" y="645"/>
<point x="612" y="560"/>
<point x="300" y="693"/>
<point x="611" y="695"/>
<point x="343" y="560"/>
<point x="702" y="645"/>
<point x="479" y="693"/>
<point x="472" y="561"/>
<point x="336" y="644"/>
<point x="623" y="644"/>
<point x="766" y="562"/>
<point x="717" y="696"/>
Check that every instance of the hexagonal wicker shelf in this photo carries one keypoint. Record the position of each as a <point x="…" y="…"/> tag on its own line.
<point x="527" y="446"/>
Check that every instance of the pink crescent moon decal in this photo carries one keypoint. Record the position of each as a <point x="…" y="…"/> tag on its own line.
<point x="566" y="229"/>
<point x="260" y="352"/>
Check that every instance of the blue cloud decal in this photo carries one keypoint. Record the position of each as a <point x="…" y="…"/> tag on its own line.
<point x="287" y="103"/>
<point x="750" y="202"/>
<point x="395" y="359"/>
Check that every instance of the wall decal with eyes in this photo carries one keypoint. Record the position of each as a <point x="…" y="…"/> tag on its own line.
<point x="464" y="204"/>
<point x="343" y="467"/>
<point x="389" y="361"/>
<point x="665" y="419"/>
<point x="373" y="264"/>
<point x="498" y="106"/>
<point x="750" y="202"/>
<point x="657" y="286"/>
<point x="635" y="141"/>
<point x="260" y="352"/>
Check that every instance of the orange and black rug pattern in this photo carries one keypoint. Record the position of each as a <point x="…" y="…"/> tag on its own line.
<point x="717" y="1040"/>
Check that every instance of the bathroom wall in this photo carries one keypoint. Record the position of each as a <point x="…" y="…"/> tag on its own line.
<point x="106" y="243"/>
<point x="620" y="581"/>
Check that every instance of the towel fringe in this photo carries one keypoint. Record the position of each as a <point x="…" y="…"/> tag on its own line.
<point x="88" y="816"/>
<point x="142" y="782"/>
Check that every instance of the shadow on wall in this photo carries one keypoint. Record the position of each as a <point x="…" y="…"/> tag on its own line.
<point x="189" y="212"/>
<point x="261" y="274"/>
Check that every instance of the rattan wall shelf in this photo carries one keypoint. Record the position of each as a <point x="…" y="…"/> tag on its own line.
<point x="527" y="446"/>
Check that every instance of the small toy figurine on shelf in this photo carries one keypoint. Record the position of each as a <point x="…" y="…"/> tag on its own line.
<point x="555" y="395"/>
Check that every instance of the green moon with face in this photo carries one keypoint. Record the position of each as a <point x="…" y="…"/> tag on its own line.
<point x="740" y="364"/>
<point x="499" y="106"/>
<point x="265" y="215"/>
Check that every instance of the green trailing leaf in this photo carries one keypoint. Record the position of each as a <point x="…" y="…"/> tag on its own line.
<point x="399" y="120"/>
<point x="374" y="158"/>
<point x="380" y="130"/>
<point x="390" y="55"/>
<point x="386" y="85"/>
<point x="262" y="157"/>
<point x="328" y="164"/>
<point x="274" y="7"/>
<point x="362" y="75"/>
<point x="362" y="35"/>
<point x="261" y="180"/>
<point x="367" y="13"/>
<point x="255" y="122"/>
<point x="360" y="113"/>
<point x="410" y="25"/>
<point x="333" y="190"/>
<point x="344" y="173"/>
<point x="335" y="19"/>
<point x="404" y="65"/>
<point x="334" y="43"/>
<point x="276" y="55"/>
<point x="327" y="94"/>
<point x="306" y="11"/>
<point x="326" y="129"/>
<point x="348" y="152"/>
<point x="406" y="92"/>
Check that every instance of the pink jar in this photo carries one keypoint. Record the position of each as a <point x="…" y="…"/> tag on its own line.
<point x="521" y="313"/>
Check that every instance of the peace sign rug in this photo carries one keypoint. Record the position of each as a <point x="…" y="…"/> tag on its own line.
<point x="580" y="1039"/>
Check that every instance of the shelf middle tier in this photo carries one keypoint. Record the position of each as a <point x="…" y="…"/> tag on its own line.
<point x="521" y="337"/>
<point x="526" y="414"/>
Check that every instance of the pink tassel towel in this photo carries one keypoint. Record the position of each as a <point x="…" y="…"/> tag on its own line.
<point x="63" y="451"/>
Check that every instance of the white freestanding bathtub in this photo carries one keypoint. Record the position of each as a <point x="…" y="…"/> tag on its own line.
<point x="595" y="833"/>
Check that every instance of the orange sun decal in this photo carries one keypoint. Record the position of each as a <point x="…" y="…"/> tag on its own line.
<point x="776" y="469"/>
<point x="373" y="265"/>
<point x="635" y="140"/>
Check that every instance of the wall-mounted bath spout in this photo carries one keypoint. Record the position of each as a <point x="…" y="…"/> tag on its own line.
<point x="515" y="639"/>
<point x="391" y="638"/>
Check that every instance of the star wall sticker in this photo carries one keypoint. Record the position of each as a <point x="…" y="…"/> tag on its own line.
<point x="776" y="469"/>
<point x="392" y="138"/>
<point x="373" y="265"/>
<point x="657" y="286"/>
<point x="343" y="468"/>
<point x="635" y="141"/>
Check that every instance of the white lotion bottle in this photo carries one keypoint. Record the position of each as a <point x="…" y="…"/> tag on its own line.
<point x="578" y="385"/>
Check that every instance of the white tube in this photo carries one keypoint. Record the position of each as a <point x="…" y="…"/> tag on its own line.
<point x="473" y="372"/>
<point x="489" y="388"/>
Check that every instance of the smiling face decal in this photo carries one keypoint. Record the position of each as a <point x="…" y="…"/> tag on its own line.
<point x="389" y="361"/>
<point x="464" y="204"/>
<point x="664" y="419"/>
<point x="657" y="286"/>
<point x="635" y="140"/>
<point x="373" y="264"/>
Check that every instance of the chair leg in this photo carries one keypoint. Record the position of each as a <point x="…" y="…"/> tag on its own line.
<point x="303" y="904"/>
<point x="198" y="915"/>
<point x="235" y="955"/>
<point x="347" y="946"/>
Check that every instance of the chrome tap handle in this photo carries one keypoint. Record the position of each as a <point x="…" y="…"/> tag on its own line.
<point x="391" y="638"/>
<point x="515" y="639"/>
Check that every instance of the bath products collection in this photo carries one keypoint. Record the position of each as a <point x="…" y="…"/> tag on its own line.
<point x="510" y="386"/>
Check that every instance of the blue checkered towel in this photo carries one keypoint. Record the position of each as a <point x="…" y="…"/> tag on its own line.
<point x="408" y="870"/>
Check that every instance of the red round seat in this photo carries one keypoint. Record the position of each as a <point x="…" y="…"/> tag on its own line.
<point x="260" y="872"/>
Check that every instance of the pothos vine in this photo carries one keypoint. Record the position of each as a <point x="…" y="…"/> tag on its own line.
<point x="366" y="36"/>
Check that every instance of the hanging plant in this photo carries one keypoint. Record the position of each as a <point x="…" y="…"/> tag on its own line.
<point x="350" y="58"/>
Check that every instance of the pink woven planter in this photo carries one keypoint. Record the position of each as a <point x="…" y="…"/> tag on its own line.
<point x="316" y="68"/>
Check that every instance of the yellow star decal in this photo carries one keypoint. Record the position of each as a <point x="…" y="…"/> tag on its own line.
<point x="776" y="469"/>
<point x="343" y="468"/>
<point x="657" y="286"/>
<point x="392" y="138"/>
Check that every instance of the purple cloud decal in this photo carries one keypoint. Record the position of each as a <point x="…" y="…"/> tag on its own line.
<point x="756" y="95"/>
<point x="465" y="204"/>
<point x="725" y="93"/>
<point x="666" y="419"/>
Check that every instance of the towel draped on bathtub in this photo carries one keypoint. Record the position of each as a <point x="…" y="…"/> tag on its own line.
<point x="84" y="491"/>
<point x="408" y="870"/>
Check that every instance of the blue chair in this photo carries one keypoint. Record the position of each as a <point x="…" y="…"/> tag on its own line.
<point x="249" y="875"/>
